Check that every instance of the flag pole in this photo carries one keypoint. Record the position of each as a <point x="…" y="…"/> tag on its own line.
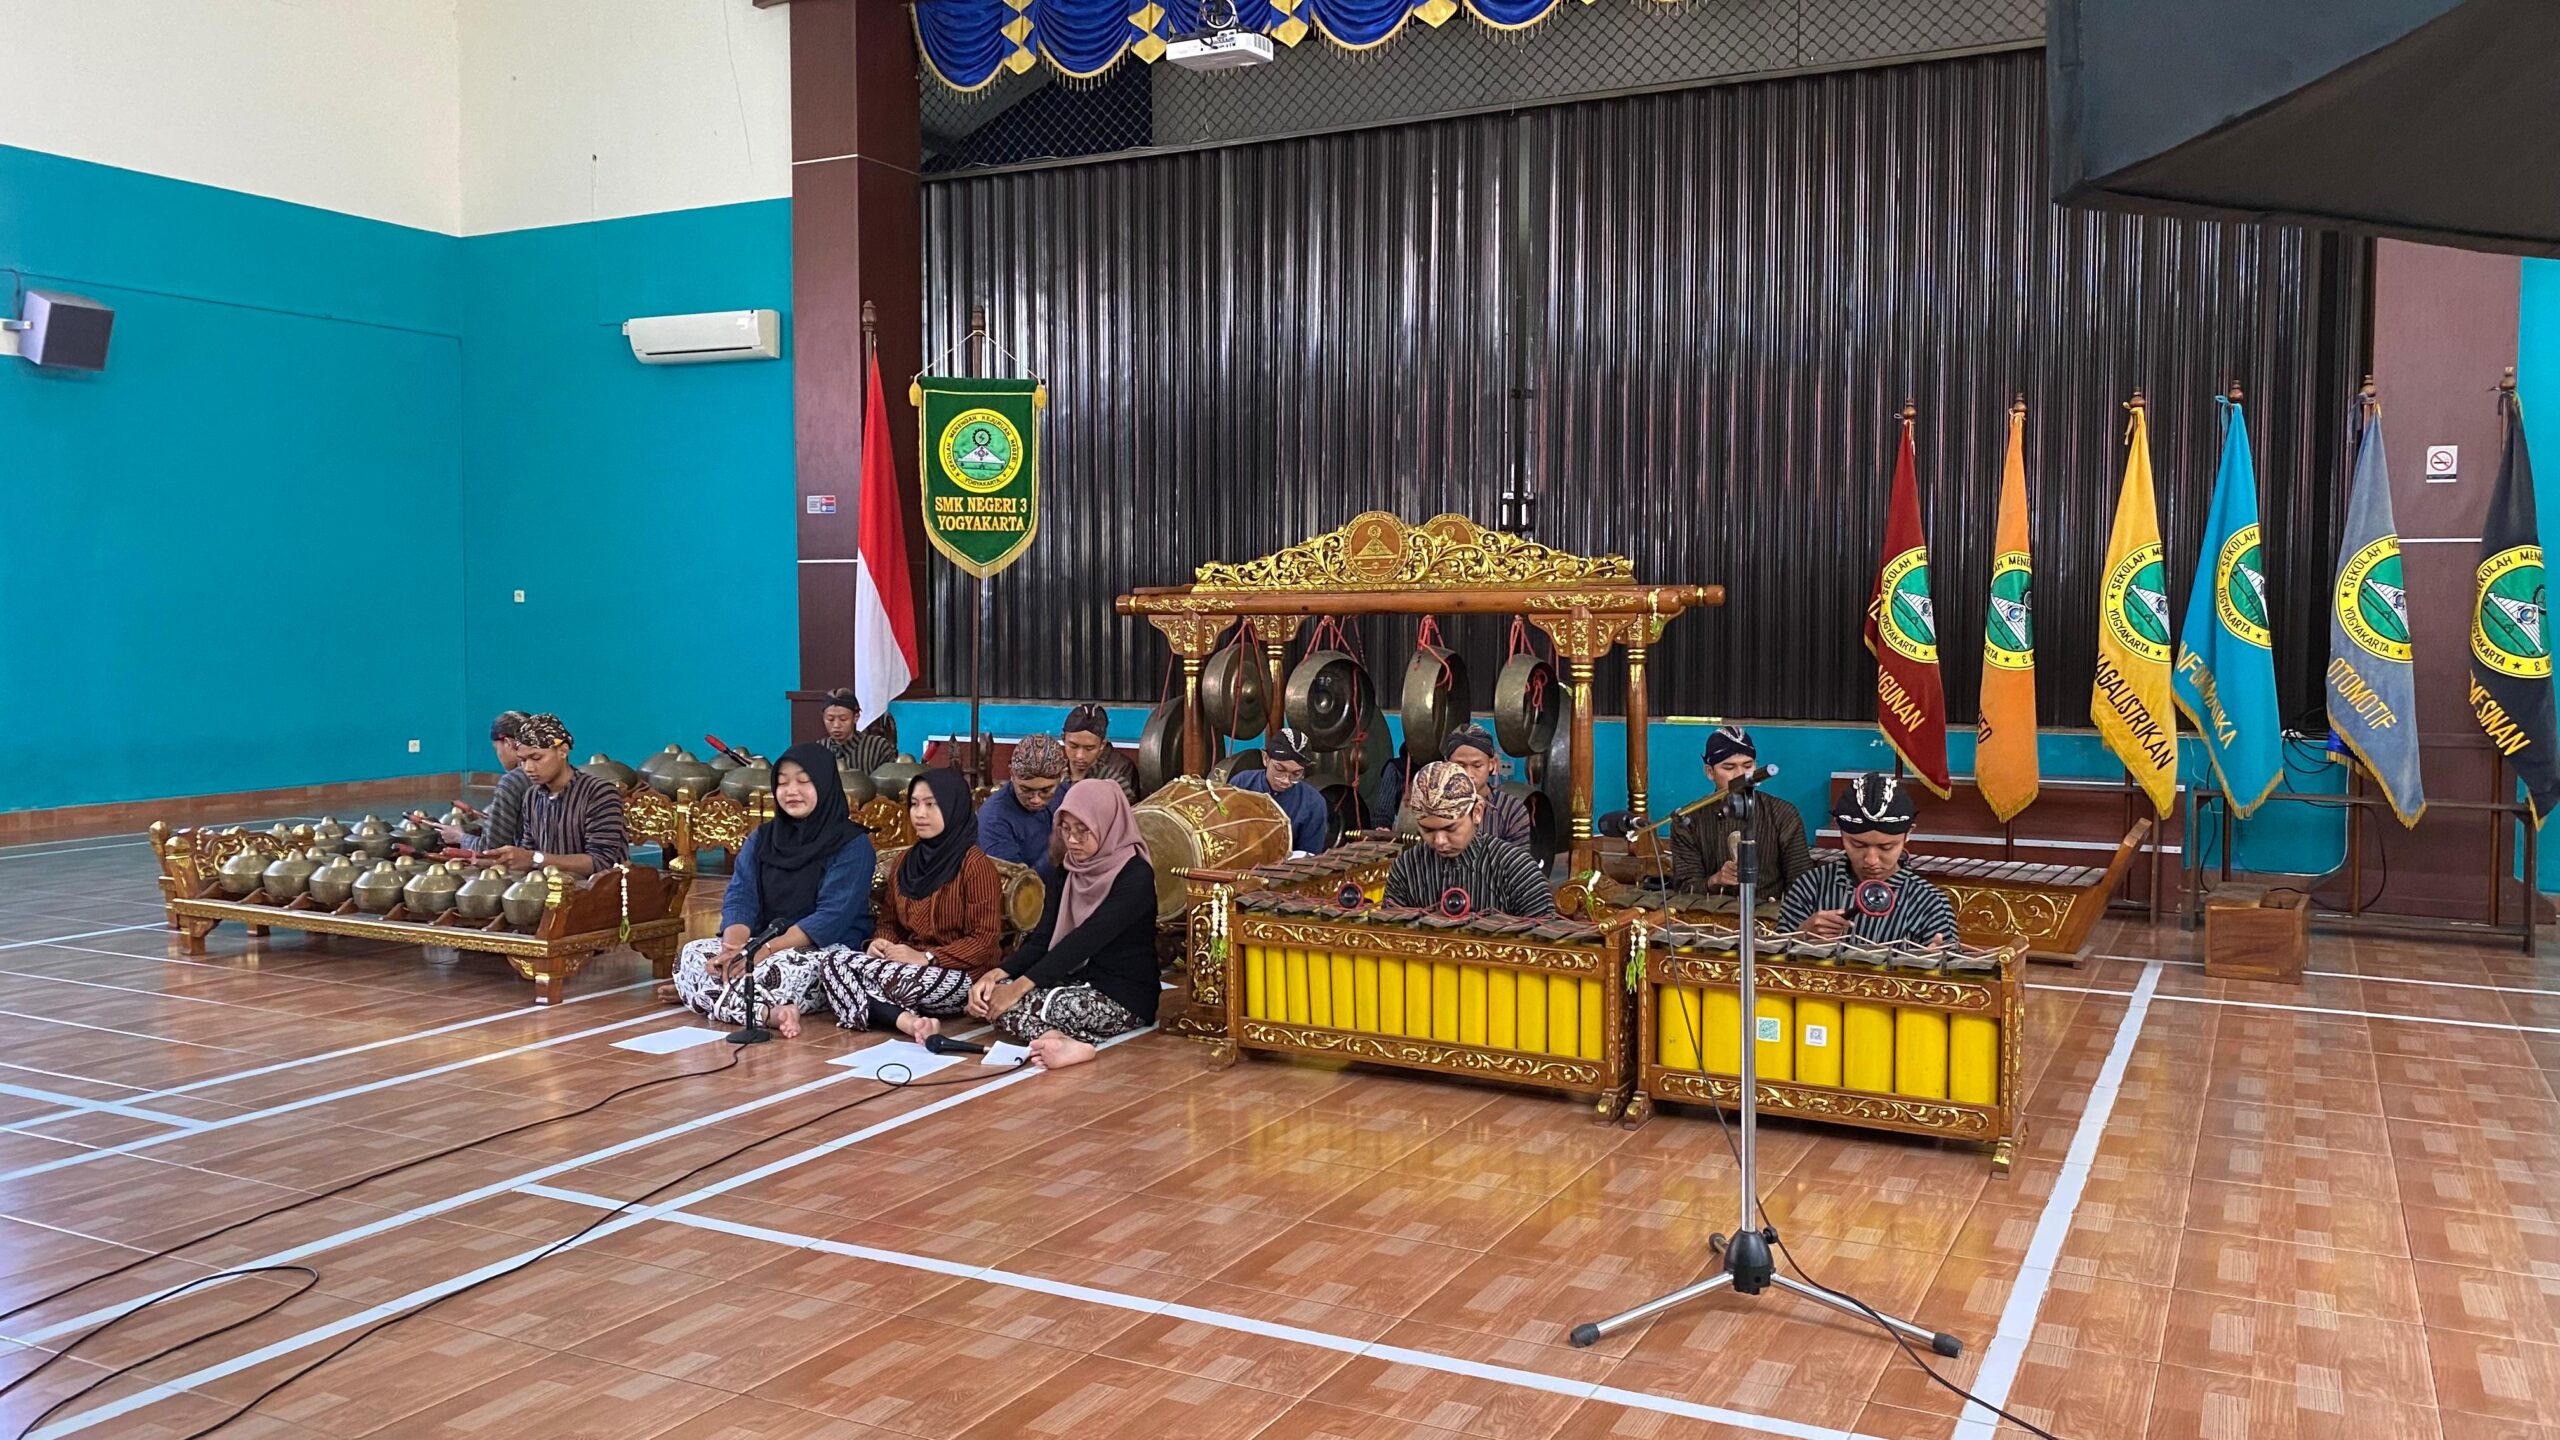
<point x="979" y="760"/>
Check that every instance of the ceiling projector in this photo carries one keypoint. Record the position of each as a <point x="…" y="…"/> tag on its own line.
<point x="1221" y="44"/>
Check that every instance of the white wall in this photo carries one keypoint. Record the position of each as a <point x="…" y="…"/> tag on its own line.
<point x="350" y="105"/>
<point x="589" y="109"/>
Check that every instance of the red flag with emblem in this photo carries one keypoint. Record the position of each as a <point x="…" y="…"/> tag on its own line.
<point x="1902" y="633"/>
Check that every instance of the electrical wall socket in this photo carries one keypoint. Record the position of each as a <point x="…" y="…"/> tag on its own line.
<point x="519" y="597"/>
<point x="413" y="747"/>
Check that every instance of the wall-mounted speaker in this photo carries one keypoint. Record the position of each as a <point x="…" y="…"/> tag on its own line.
<point x="65" y="332"/>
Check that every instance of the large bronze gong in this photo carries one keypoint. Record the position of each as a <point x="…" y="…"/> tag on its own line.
<point x="1235" y="692"/>
<point x="1526" y="704"/>
<point x="1328" y="696"/>
<point x="1436" y="698"/>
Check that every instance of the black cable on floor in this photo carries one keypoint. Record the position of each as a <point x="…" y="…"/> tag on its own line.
<point x="1916" y="1358"/>
<point x="891" y="1087"/>
<point x="171" y="1251"/>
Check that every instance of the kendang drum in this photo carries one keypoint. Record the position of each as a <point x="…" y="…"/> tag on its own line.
<point x="1192" y="824"/>
<point x="1024" y="891"/>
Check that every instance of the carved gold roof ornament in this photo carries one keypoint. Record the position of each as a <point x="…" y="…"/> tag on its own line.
<point x="1379" y="551"/>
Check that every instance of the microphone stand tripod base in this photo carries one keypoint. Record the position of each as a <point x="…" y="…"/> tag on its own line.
<point x="1749" y="1264"/>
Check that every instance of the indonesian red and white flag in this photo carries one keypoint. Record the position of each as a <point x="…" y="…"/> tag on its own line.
<point x="884" y="611"/>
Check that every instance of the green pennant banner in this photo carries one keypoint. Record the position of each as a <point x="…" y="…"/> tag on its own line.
<point x="980" y="467"/>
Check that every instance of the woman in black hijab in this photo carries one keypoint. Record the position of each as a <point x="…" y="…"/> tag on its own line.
<point x="941" y="921"/>
<point x="809" y="869"/>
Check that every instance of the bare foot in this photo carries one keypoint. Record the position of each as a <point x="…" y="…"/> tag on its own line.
<point x="1057" y="1050"/>
<point x="666" y="994"/>
<point x="918" y="1027"/>
<point x="783" y="1020"/>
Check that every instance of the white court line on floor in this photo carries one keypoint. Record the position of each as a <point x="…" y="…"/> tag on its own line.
<point x="214" y="1081"/>
<point x="79" y="1106"/>
<point x="491" y="1190"/>
<point x="85" y="935"/>
<point x="2000" y="1361"/>
<point x="112" y="1030"/>
<point x="430" y="1293"/>
<point x="126" y="839"/>
<point x="1244" y="1324"/>
<point x="2314" y="1010"/>
<point x="292" y="1106"/>
<point x="2352" y="975"/>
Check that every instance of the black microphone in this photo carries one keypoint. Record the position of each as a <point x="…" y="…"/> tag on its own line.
<point x="1629" y="824"/>
<point x="1626" y="824"/>
<point x="765" y="937"/>
<point x="941" y="1044"/>
<point x="1752" y="780"/>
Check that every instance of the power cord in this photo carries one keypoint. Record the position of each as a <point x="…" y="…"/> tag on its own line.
<point x="890" y="1086"/>
<point x="1697" y="1047"/>
<point x="171" y="1251"/>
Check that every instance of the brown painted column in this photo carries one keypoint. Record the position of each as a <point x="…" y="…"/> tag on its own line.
<point x="2444" y="328"/>
<point x="1639" y="734"/>
<point x="856" y="229"/>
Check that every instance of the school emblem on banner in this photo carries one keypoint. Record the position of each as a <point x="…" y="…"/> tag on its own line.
<point x="2137" y="603"/>
<point x="1909" y="622"/>
<point x="2009" y="636"/>
<point x="980" y="467"/>
<point x="2372" y="605"/>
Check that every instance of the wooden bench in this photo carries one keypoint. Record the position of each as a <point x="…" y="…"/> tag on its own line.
<point x="637" y="905"/>
<point x="2047" y="909"/>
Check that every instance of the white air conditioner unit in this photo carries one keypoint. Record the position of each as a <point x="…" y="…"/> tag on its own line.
<point x="699" y="339"/>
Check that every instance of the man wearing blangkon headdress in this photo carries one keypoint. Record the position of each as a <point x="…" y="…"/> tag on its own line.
<point x="1864" y="890"/>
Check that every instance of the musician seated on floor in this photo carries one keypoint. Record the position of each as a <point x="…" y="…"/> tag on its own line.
<point x="1088" y="970"/>
<point x="571" y="820"/>
<point x="862" y="747"/>
<point x="1087" y="738"/>
<point x="1283" y="777"/>
<point x="1703" y="845"/>
<point x="1471" y="748"/>
<point x="506" y="805"/>
<point x="939" y="926"/>
<point x="1014" y="822"/>
<point x="1458" y="861"/>
<point x="1874" y="816"/>
<point x="809" y="865"/>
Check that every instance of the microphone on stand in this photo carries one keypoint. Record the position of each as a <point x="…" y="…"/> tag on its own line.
<point x="941" y="1044"/>
<point x="1627" y="824"/>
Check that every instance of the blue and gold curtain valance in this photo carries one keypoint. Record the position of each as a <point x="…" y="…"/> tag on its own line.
<point x="967" y="43"/>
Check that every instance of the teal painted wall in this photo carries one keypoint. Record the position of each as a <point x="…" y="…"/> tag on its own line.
<point x="279" y="537"/>
<point x="645" y="510"/>
<point x="2301" y="839"/>
<point x="2538" y="383"/>
<point x="210" y="554"/>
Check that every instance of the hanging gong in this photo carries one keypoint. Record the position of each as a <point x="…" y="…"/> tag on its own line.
<point x="1436" y="697"/>
<point x="1522" y="727"/>
<point x="1160" y="747"/>
<point x="1226" y="771"/>
<point x="1327" y="694"/>
<point x="1542" y="818"/>
<point x="1556" y="777"/>
<point x="1376" y="747"/>
<point x="1235" y="692"/>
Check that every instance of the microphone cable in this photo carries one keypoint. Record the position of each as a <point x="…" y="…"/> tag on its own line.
<point x="890" y="1086"/>
<point x="1697" y="1046"/>
<point x="172" y="1251"/>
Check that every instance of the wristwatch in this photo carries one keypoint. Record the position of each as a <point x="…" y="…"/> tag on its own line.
<point x="540" y="859"/>
<point x="928" y="958"/>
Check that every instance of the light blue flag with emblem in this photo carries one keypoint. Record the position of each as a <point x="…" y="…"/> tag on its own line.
<point x="2373" y="696"/>
<point x="2226" y="674"/>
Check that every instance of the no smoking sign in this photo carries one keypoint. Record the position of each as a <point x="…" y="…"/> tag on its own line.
<point x="2444" y="462"/>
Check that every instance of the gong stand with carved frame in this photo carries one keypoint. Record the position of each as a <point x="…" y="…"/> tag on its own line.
<point x="1378" y="564"/>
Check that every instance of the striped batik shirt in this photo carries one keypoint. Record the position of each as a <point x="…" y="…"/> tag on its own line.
<point x="1920" y="909"/>
<point x="1495" y="875"/>
<point x="1119" y="769"/>
<point x="584" y="818"/>
<point x="505" y="815"/>
<point x="1506" y="817"/>
<point x="867" y="751"/>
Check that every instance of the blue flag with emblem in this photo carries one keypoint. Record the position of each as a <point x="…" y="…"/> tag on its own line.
<point x="2226" y="672"/>
<point x="2373" y="694"/>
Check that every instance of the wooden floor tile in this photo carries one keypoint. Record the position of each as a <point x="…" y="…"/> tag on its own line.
<point x="917" y="1377"/>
